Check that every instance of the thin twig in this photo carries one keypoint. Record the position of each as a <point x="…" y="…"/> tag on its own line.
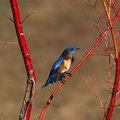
<point x="94" y="5"/>
<point x="9" y="18"/>
<point x="26" y="17"/>
<point x="13" y="43"/>
<point x="100" y="101"/>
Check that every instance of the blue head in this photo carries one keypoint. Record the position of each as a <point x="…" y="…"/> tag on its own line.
<point x="69" y="50"/>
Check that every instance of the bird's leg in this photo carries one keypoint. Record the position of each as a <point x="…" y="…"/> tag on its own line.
<point x="68" y="74"/>
<point x="62" y="81"/>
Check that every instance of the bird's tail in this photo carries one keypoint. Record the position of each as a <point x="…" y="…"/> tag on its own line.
<point x="54" y="79"/>
<point x="44" y="85"/>
<point x="47" y="82"/>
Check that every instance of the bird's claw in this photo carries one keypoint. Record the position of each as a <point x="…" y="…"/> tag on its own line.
<point x="62" y="81"/>
<point x="69" y="74"/>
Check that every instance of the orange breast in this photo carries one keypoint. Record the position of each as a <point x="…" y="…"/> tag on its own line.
<point x="64" y="66"/>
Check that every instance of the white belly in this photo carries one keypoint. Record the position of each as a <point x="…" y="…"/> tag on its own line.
<point x="67" y="64"/>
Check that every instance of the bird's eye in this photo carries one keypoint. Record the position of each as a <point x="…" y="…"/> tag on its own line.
<point x="72" y="49"/>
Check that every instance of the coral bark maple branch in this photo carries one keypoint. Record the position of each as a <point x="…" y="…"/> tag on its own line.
<point x="30" y="88"/>
<point x="111" y="28"/>
<point x="115" y="90"/>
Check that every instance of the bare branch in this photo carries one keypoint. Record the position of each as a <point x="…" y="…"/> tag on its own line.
<point x="9" y="18"/>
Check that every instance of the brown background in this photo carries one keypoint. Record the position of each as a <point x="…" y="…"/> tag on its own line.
<point x="54" y="26"/>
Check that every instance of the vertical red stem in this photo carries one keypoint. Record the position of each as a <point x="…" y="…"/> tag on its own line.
<point x="23" y="46"/>
<point x="111" y="28"/>
<point x="115" y="89"/>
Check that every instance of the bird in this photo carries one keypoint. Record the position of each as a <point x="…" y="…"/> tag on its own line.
<point x="61" y="66"/>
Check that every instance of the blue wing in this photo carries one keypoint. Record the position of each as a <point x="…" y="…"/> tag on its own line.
<point x="54" y="68"/>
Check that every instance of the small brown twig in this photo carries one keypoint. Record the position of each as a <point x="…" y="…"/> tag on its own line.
<point x="26" y="17"/>
<point x="9" y="18"/>
<point x="13" y="43"/>
<point x="100" y="101"/>
<point x="94" y="5"/>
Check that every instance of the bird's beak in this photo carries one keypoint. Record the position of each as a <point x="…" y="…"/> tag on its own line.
<point x="77" y="48"/>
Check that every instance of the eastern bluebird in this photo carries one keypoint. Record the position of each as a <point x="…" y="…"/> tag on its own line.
<point x="61" y="66"/>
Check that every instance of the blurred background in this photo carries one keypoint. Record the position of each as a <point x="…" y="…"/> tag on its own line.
<point x="54" y="26"/>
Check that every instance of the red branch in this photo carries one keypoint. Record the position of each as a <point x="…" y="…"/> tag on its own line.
<point x="79" y="64"/>
<point x="27" y="60"/>
<point x="99" y="100"/>
<point x="111" y="28"/>
<point x="115" y="90"/>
